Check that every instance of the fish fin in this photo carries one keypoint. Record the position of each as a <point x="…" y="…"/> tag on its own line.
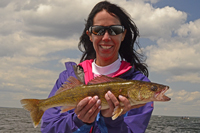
<point x="117" y="111"/>
<point x="104" y="79"/>
<point x="35" y="112"/>
<point x="73" y="82"/>
<point x="66" y="108"/>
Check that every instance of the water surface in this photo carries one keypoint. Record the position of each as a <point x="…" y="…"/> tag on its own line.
<point x="17" y="120"/>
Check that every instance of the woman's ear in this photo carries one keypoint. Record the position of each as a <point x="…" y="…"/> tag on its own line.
<point x="123" y="35"/>
<point x="89" y="34"/>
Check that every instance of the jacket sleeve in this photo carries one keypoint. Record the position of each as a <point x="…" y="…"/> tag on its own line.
<point x="134" y="121"/>
<point x="55" y="122"/>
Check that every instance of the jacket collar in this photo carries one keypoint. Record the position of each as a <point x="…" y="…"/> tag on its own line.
<point x="87" y="67"/>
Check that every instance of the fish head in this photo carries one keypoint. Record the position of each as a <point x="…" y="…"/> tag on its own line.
<point x="147" y="91"/>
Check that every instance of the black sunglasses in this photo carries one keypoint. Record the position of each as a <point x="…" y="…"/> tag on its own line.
<point x="112" y="30"/>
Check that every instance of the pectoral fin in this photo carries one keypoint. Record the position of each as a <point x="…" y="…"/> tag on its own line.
<point x="117" y="111"/>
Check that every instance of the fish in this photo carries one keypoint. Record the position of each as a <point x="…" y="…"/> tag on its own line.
<point x="73" y="91"/>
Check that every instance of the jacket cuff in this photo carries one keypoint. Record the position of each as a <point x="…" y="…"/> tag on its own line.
<point x="79" y="123"/>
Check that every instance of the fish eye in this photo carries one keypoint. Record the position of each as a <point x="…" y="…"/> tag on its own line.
<point x="154" y="88"/>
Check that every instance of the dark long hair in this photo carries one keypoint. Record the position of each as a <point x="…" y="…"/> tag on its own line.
<point x="127" y="50"/>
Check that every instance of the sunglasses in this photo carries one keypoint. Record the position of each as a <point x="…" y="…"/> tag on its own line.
<point x="112" y="30"/>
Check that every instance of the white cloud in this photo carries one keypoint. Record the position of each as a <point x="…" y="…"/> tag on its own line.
<point x="169" y="54"/>
<point x="155" y="23"/>
<point x="185" y="97"/>
<point x="25" y="78"/>
<point x="62" y="61"/>
<point x="182" y="101"/>
<point x="191" y="29"/>
<point x="46" y="45"/>
<point x="34" y="36"/>
<point x="21" y="44"/>
<point x="191" y="77"/>
<point x="178" y="55"/>
<point x="44" y="9"/>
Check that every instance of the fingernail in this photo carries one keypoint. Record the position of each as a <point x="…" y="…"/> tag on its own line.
<point x="89" y="98"/>
<point x="109" y="92"/>
<point x="106" y="95"/>
<point x="120" y="96"/>
<point x="98" y="101"/>
<point x="99" y="107"/>
<point x="96" y="97"/>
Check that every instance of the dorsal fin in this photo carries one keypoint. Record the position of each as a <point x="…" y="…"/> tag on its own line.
<point x="104" y="79"/>
<point x="73" y="82"/>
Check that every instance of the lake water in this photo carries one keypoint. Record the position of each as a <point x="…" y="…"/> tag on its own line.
<point x="169" y="124"/>
<point x="14" y="120"/>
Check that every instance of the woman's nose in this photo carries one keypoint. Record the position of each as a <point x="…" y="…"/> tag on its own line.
<point x="106" y="36"/>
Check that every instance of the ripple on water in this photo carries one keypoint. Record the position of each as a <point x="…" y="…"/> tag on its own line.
<point x="13" y="120"/>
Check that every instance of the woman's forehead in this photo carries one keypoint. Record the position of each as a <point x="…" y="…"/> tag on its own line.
<point x="103" y="17"/>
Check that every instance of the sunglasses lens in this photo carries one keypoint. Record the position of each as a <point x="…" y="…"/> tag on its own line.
<point x="98" y="30"/>
<point x="115" y="30"/>
<point x="112" y="30"/>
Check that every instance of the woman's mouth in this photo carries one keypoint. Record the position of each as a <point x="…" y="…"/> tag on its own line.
<point x="105" y="47"/>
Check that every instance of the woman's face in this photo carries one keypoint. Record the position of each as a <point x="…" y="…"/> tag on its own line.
<point x="106" y="46"/>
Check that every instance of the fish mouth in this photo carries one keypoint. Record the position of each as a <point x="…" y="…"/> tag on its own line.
<point x="160" y="96"/>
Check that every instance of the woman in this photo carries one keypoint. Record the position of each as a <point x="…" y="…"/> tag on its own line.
<point x="108" y="34"/>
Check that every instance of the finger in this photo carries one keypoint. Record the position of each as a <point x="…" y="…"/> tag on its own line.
<point x="94" y="108"/>
<point x="108" y="112"/>
<point x="84" y="110"/>
<point x="82" y="104"/>
<point x="91" y="103"/>
<point x="109" y="101"/>
<point x="93" y="111"/>
<point x="124" y="100"/>
<point x="126" y="103"/>
<point x="93" y="117"/>
<point x="113" y="98"/>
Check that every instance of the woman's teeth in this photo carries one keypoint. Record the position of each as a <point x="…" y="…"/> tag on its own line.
<point x="106" y="47"/>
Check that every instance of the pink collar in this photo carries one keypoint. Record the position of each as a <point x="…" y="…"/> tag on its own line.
<point x="87" y="67"/>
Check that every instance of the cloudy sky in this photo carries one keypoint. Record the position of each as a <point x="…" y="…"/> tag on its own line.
<point x="38" y="36"/>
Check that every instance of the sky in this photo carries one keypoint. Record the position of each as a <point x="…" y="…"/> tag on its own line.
<point x="38" y="36"/>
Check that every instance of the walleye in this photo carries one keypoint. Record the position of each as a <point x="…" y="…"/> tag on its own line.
<point x="70" y="93"/>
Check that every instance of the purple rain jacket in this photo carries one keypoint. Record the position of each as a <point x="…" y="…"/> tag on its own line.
<point x="134" y="121"/>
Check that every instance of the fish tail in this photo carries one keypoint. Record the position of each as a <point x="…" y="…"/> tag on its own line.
<point x="32" y="105"/>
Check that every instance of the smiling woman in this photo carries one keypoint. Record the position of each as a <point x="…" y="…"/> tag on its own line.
<point x="118" y="16"/>
<point x="109" y="35"/>
<point x="106" y="45"/>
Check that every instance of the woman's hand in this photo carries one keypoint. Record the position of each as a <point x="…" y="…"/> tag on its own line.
<point x="113" y="102"/>
<point x="127" y="105"/>
<point x="87" y="109"/>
